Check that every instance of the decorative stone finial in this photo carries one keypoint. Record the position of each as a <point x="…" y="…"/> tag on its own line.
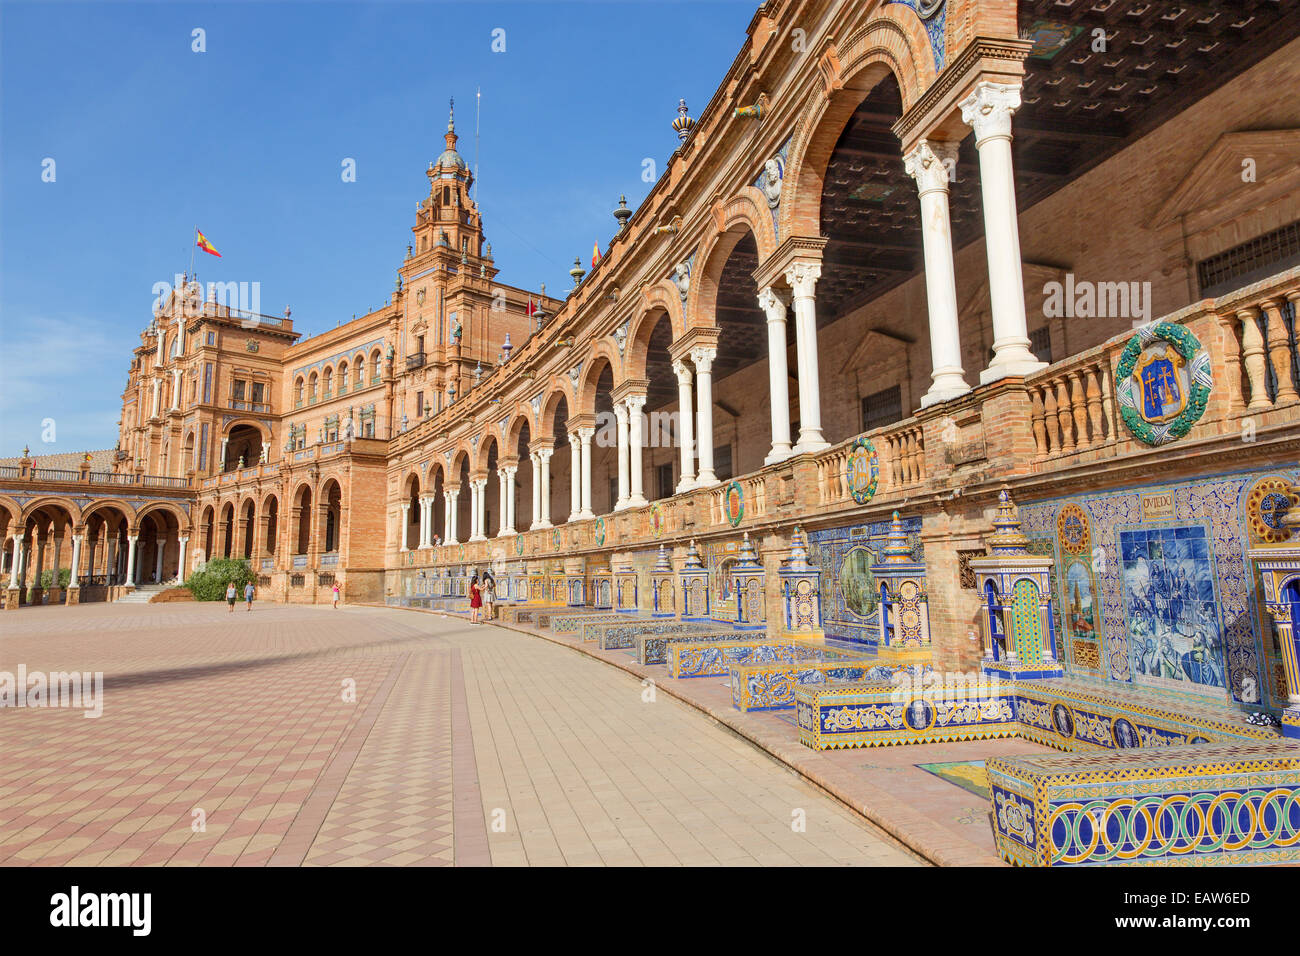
<point x="622" y="213"/>
<point x="506" y="348"/>
<point x="693" y="559"/>
<point x="577" y="271"/>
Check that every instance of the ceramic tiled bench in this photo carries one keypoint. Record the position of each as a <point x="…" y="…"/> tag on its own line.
<point x="1200" y="805"/>
<point x="653" y="648"/>
<point x="689" y="658"/>
<point x="569" y="622"/>
<point x="771" y="686"/>
<point x="614" y="636"/>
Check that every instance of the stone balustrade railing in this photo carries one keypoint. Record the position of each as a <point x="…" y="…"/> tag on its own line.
<point x="1251" y="336"/>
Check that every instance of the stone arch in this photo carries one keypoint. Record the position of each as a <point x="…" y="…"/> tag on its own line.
<point x="559" y="392"/>
<point x="514" y="432"/>
<point x="894" y="41"/>
<point x="24" y="514"/>
<point x="175" y="510"/>
<point x="462" y="453"/>
<point x="11" y="508"/>
<point x="638" y="339"/>
<point x="483" y="453"/>
<point x="604" y="356"/>
<point x="662" y="296"/>
<point x="708" y="272"/>
<point x="746" y="210"/>
<point x="234" y="423"/>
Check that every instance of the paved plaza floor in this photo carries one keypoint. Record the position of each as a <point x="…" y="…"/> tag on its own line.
<point x="237" y="739"/>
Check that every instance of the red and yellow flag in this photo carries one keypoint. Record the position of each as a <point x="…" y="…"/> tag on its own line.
<point x="595" y="254"/>
<point x="205" y="245"/>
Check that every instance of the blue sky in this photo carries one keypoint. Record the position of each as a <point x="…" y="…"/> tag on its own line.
<point x="246" y="140"/>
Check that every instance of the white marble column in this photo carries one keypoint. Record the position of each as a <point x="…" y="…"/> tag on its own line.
<point x="453" y="513"/>
<point x="988" y="111"/>
<point x="180" y="560"/>
<point x="802" y="277"/>
<point x="544" y="460"/>
<point x="406" y="523"/>
<point x="585" y="435"/>
<point x="685" y="426"/>
<point x="702" y="357"/>
<point x="473" y="509"/>
<point x="537" y="490"/>
<point x="130" y="558"/>
<point x="15" y="552"/>
<point x="575" y="477"/>
<point x="504" y="506"/>
<point x="176" y="388"/>
<point x="38" y="543"/>
<point x="620" y="414"/>
<point x="929" y="165"/>
<point x="479" y="500"/>
<point x="508" y="501"/>
<point x="157" y="395"/>
<point x="635" y="441"/>
<point x="446" y="517"/>
<point x="158" y="560"/>
<point x="76" y="559"/>
<point x="778" y="376"/>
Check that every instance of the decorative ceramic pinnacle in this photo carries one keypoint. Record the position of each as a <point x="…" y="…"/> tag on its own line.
<point x="896" y="549"/>
<point x="684" y="123"/>
<point x="1007" y="538"/>
<point x="662" y="564"/>
<point x="748" y="558"/>
<point x="693" y="560"/>
<point x="577" y="271"/>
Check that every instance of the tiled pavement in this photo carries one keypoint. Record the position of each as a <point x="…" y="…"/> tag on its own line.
<point x="231" y="739"/>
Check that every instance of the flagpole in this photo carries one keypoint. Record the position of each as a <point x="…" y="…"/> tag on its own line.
<point x="194" y="241"/>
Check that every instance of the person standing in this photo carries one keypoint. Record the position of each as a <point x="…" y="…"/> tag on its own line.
<point x="475" y="599"/>
<point x="489" y="597"/>
<point x="249" y="591"/>
<point x="230" y="597"/>
<point x="336" y="595"/>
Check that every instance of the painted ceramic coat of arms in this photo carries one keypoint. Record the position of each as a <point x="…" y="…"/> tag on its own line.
<point x="519" y="544"/>
<point x="656" y="521"/>
<point x="598" y="532"/>
<point x="862" y="470"/>
<point x="1163" y="382"/>
<point x="555" y="539"/>
<point x="733" y="503"/>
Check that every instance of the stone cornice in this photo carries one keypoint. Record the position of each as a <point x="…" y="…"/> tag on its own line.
<point x="793" y="249"/>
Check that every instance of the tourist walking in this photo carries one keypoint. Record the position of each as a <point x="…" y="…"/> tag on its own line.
<point x="249" y="591"/>
<point x="475" y="599"/>
<point x="230" y="596"/>
<point x="489" y="597"/>
<point x="336" y="595"/>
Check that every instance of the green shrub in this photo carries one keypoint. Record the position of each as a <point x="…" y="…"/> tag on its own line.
<point x="47" y="578"/>
<point x="209" y="582"/>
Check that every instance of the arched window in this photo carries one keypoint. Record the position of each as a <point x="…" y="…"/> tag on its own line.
<point x="297" y="392"/>
<point x="360" y="371"/>
<point x="311" y="388"/>
<point x="343" y="377"/>
<point x="374" y="367"/>
<point x="329" y="382"/>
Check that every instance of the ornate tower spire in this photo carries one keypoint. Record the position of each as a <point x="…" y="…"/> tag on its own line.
<point x="451" y="136"/>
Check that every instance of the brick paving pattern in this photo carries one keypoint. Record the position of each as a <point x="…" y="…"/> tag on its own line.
<point x="463" y="746"/>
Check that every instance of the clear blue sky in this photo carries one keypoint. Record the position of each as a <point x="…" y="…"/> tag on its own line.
<point x="246" y="140"/>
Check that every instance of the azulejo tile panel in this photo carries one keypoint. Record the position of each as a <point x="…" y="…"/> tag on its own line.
<point x="689" y="658"/>
<point x="850" y="593"/>
<point x="1157" y="590"/>
<point x="653" y="648"/>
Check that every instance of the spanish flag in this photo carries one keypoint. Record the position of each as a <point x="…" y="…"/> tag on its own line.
<point x="205" y="245"/>
<point x="595" y="254"/>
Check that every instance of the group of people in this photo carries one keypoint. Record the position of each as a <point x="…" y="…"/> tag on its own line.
<point x="250" y="592"/>
<point x="482" y="598"/>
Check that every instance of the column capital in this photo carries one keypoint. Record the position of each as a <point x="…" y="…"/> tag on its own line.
<point x="509" y="470"/>
<point x="634" y="403"/>
<point x="544" y="454"/>
<point x="586" y="434"/>
<point x="931" y="165"/>
<point x="772" y="304"/>
<point x="682" y="371"/>
<point x="988" y="110"/>
<point x="802" y="278"/>
<point x="620" y="412"/>
<point x="702" y="356"/>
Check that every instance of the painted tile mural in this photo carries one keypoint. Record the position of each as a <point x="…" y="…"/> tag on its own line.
<point x="850" y="595"/>
<point x="1155" y="589"/>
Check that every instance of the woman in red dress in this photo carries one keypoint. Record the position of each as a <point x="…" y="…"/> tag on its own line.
<point x="475" y="599"/>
